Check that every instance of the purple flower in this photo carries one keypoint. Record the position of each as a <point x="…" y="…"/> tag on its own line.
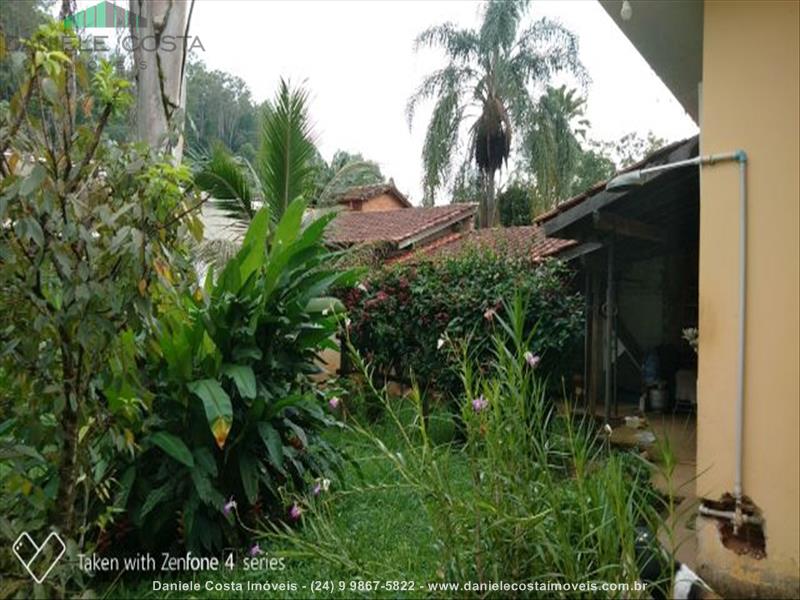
<point x="320" y="485"/>
<point x="316" y="489"/>
<point x="532" y="359"/>
<point x="255" y="550"/>
<point x="295" y="513"/>
<point x="230" y="506"/>
<point x="334" y="402"/>
<point x="479" y="404"/>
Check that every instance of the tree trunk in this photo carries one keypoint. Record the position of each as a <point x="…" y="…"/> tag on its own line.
<point x="487" y="213"/>
<point x="159" y="52"/>
<point x="68" y="468"/>
<point x="491" y="205"/>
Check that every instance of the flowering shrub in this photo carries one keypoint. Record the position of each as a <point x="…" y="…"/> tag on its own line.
<point x="405" y="319"/>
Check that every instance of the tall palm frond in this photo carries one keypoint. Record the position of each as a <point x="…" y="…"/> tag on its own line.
<point x="287" y="149"/>
<point x="281" y="173"/>
<point x="229" y="183"/>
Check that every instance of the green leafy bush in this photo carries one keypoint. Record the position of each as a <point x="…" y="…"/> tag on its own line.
<point x="92" y="234"/>
<point x="404" y="319"/>
<point x="234" y="416"/>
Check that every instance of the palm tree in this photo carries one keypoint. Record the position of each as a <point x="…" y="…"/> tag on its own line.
<point x="551" y="148"/>
<point x="282" y="169"/>
<point x="490" y="77"/>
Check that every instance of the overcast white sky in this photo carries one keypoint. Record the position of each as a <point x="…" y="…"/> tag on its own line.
<point x="356" y="58"/>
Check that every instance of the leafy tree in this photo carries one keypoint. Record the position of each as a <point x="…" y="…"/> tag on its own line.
<point x="346" y="170"/>
<point x="90" y="232"/>
<point x="18" y="20"/>
<point x="219" y="108"/>
<point x="467" y="186"/>
<point x="551" y="150"/>
<point x="491" y="72"/>
<point x="633" y="147"/>
<point x="514" y="203"/>
<point x="594" y="165"/>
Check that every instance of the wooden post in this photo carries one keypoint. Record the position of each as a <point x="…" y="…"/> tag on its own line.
<point x="609" y="332"/>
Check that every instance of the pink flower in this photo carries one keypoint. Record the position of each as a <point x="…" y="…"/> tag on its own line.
<point x="479" y="404"/>
<point x="229" y="507"/>
<point x="532" y="359"/>
<point x="255" y="550"/>
<point x="321" y="485"/>
<point x="489" y="314"/>
<point x="334" y="402"/>
<point x="295" y="512"/>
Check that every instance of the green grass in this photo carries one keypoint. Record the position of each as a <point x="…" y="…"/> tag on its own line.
<point x="385" y="531"/>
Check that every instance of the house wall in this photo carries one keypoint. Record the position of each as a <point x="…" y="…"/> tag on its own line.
<point x="751" y="100"/>
<point x="382" y="202"/>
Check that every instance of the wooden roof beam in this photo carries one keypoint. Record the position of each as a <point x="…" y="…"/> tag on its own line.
<point x="624" y="226"/>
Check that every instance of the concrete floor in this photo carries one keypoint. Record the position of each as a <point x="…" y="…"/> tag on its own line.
<point x="679" y="435"/>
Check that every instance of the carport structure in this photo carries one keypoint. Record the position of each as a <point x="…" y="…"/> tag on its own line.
<point x="638" y="254"/>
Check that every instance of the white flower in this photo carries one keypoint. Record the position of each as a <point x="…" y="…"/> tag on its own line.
<point x="439" y="343"/>
<point x="362" y="287"/>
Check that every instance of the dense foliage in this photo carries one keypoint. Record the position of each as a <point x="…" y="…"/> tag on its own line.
<point x="87" y="232"/>
<point x="136" y="404"/>
<point x="219" y="109"/>
<point x="92" y="236"/>
<point x="400" y="316"/>
<point x="233" y="414"/>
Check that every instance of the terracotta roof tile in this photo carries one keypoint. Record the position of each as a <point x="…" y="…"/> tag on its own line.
<point x="528" y="242"/>
<point x="395" y="226"/>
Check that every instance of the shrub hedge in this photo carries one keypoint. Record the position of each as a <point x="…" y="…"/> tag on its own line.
<point x="407" y="319"/>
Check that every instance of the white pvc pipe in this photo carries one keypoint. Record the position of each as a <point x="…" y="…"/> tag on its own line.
<point x="741" y="157"/>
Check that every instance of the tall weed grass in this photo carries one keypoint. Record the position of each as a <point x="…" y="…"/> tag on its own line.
<point x="545" y="499"/>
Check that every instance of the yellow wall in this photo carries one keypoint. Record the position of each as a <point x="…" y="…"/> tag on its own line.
<point x="751" y="100"/>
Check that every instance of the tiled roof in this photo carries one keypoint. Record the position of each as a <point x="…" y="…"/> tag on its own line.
<point x="527" y="242"/>
<point x="366" y="192"/>
<point x="395" y="226"/>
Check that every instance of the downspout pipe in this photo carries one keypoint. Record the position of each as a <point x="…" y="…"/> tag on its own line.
<point x="631" y="178"/>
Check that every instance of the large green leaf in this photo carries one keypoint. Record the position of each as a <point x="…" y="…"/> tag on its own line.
<point x="251" y="256"/>
<point x="248" y="469"/>
<point x="156" y="497"/>
<point x="243" y="377"/>
<point x="217" y="405"/>
<point x="328" y="305"/>
<point x="272" y="440"/>
<point x="173" y="446"/>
